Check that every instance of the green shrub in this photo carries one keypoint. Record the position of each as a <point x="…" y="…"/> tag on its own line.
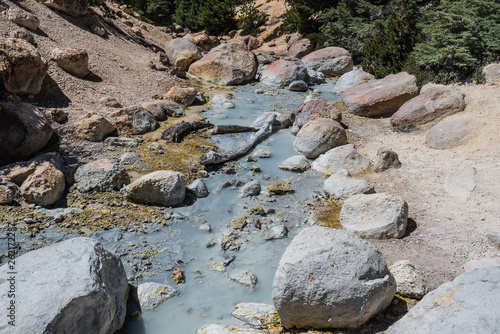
<point x="250" y="18"/>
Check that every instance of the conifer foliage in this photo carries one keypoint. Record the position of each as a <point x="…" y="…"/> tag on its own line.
<point x="250" y="19"/>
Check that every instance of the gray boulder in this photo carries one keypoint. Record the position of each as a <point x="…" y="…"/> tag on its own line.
<point x="410" y="281"/>
<point x="329" y="278"/>
<point x="135" y="120"/>
<point x="252" y="188"/>
<point x="351" y="79"/>
<point x="448" y="133"/>
<point x="468" y="304"/>
<point x="344" y="156"/>
<point x="101" y="175"/>
<point x="198" y="188"/>
<point x="342" y="186"/>
<point x="151" y="294"/>
<point x="75" y="286"/>
<point x="162" y="187"/>
<point x="319" y="136"/>
<point x="314" y="77"/>
<point x="296" y="163"/>
<point x="330" y="61"/>
<point x="378" y="216"/>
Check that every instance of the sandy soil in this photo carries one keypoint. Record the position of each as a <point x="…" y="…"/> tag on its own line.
<point x="450" y="229"/>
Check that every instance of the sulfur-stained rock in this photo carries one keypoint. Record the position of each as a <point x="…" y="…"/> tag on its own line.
<point x="182" y="52"/>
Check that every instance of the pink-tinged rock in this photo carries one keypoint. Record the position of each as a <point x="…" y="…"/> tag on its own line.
<point x="319" y="136"/>
<point x="330" y="61"/>
<point x="45" y="186"/>
<point x="299" y="47"/>
<point x="380" y="97"/>
<point x="182" y="52"/>
<point x="252" y="43"/>
<point x="73" y="61"/>
<point x="284" y="71"/>
<point x="181" y="95"/>
<point x="228" y="64"/>
<point x="23" y="129"/>
<point x="314" y="109"/>
<point x="22" y="69"/>
<point x="428" y="108"/>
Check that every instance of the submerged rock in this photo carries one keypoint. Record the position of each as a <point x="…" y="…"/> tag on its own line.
<point x="152" y="294"/>
<point x="255" y="314"/>
<point x="468" y="304"/>
<point x="296" y="163"/>
<point x="252" y="188"/>
<point x="162" y="187"/>
<point x="279" y="187"/>
<point x="247" y="278"/>
<point x="75" y="286"/>
<point x="329" y="278"/>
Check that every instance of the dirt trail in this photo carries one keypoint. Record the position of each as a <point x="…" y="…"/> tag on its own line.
<point x="450" y="230"/>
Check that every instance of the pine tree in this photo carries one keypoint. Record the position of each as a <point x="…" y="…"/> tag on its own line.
<point x="217" y="17"/>
<point x="250" y="18"/>
<point x="186" y="13"/>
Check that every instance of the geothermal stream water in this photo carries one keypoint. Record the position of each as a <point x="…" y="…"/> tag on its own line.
<point x="208" y="296"/>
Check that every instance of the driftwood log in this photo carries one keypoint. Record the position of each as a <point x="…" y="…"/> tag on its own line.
<point x="213" y="157"/>
<point x="178" y="131"/>
<point x="225" y="129"/>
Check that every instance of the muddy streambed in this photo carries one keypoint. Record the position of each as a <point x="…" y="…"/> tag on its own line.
<point x="151" y="251"/>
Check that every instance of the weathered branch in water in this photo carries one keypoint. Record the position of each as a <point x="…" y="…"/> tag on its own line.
<point x="178" y="131"/>
<point x="224" y="129"/>
<point x="213" y="157"/>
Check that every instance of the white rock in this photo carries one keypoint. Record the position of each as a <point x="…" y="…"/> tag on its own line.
<point x="409" y="280"/>
<point x="152" y="294"/>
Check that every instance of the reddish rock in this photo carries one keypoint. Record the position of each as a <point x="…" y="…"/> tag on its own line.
<point x="330" y="61"/>
<point x="182" y="52"/>
<point x="252" y="43"/>
<point x="284" y="71"/>
<point x="428" y="108"/>
<point x="73" y="61"/>
<point x="299" y="47"/>
<point x="380" y="97"/>
<point x="45" y="186"/>
<point x="22" y="69"/>
<point x="228" y="64"/>
<point x="23" y="129"/>
<point x="183" y="96"/>
<point x="314" y="109"/>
